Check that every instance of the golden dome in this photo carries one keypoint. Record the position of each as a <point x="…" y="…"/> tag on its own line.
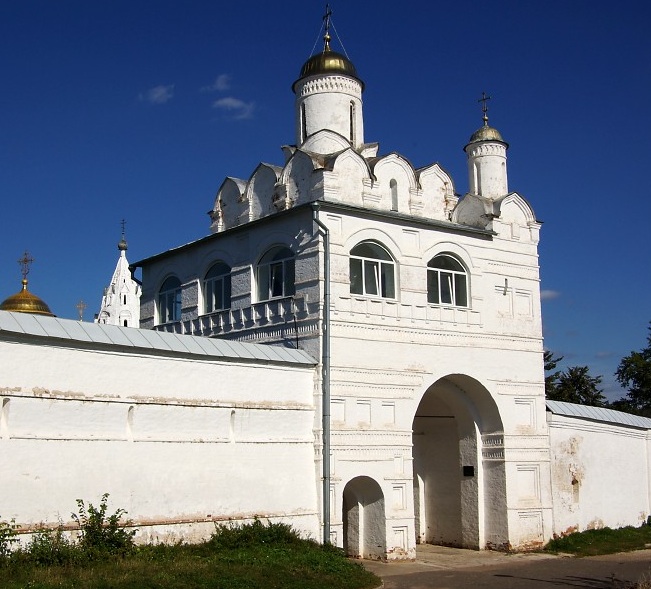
<point x="486" y="133"/>
<point x="26" y="302"/>
<point x="328" y="62"/>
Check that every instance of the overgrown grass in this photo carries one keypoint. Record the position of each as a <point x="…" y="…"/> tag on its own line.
<point x="251" y="556"/>
<point x="602" y="541"/>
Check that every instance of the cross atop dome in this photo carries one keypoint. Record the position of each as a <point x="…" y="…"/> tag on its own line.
<point x="484" y="107"/>
<point x="326" y="25"/>
<point x="25" y="262"/>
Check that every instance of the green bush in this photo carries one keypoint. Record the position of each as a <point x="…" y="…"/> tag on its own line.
<point x="103" y="534"/>
<point x="7" y="538"/>
<point x="254" y="534"/>
<point x="50" y="548"/>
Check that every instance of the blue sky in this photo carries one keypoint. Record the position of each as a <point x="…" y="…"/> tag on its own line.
<point x="139" y="109"/>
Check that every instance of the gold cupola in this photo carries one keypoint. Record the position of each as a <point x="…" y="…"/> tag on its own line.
<point x="328" y="98"/>
<point x="25" y="301"/>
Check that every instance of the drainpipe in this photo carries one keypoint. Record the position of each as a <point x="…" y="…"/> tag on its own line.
<point x="325" y="374"/>
<point x="132" y="271"/>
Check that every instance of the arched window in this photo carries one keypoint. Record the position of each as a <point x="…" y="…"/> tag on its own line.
<point x="169" y="300"/>
<point x="447" y="282"/>
<point x="275" y="274"/>
<point x="303" y="123"/>
<point x="393" y="185"/>
<point x="217" y="288"/>
<point x="372" y="271"/>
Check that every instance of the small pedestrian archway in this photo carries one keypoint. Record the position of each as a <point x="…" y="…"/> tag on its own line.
<point x="459" y="490"/>
<point x="364" y="519"/>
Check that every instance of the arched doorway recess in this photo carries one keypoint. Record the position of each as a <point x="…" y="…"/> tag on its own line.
<point x="364" y="519"/>
<point x="459" y="490"/>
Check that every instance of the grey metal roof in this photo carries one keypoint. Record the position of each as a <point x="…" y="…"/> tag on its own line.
<point x="131" y="337"/>
<point x="598" y="414"/>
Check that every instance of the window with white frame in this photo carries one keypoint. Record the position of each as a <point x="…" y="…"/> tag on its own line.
<point x="169" y="300"/>
<point x="372" y="271"/>
<point x="217" y="288"/>
<point x="447" y="281"/>
<point x="275" y="274"/>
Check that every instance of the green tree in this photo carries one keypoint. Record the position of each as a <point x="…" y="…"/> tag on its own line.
<point x="551" y="379"/>
<point x="576" y="385"/>
<point x="634" y="374"/>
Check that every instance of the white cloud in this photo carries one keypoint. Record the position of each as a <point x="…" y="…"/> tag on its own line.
<point x="236" y="107"/>
<point x="221" y="84"/>
<point x="158" y="94"/>
<point x="548" y="295"/>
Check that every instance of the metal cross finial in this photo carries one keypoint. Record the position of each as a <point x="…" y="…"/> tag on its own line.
<point x="326" y="24"/>
<point x="25" y="262"/>
<point x="484" y="107"/>
<point x="81" y="307"/>
<point x="123" y="223"/>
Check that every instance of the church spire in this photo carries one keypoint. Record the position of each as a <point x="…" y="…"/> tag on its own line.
<point x="121" y="300"/>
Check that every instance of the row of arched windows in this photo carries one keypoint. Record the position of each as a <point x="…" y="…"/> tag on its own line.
<point x="372" y="274"/>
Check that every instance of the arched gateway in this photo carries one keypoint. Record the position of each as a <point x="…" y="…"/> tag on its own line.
<point x="364" y="519"/>
<point x="459" y="478"/>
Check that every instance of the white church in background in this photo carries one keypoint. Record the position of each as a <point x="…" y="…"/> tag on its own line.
<point x="121" y="300"/>
<point x="353" y="348"/>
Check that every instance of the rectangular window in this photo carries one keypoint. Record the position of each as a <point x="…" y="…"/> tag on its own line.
<point x="290" y="273"/>
<point x="460" y="291"/>
<point x="356" y="283"/>
<point x="371" y="277"/>
<point x="276" y="289"/>
<point x="388" y="282"/>
<point x="263" y="282"/>
<point x="433" y="287"/>
<point x="446" y="288"/>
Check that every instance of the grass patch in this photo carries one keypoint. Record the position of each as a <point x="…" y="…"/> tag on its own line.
<point x="602" y="541"/>
<point x="253" y="556"/>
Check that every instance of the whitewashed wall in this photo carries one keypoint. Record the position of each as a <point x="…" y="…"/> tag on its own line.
<point x="177" y="441"/>
<point x="599" y="473"/>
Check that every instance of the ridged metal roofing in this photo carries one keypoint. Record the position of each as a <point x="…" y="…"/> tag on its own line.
<point x="131" y="337"/>
<point x="598" y="414"/>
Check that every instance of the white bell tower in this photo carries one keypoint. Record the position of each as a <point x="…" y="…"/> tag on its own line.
<point x="121" y="300"/>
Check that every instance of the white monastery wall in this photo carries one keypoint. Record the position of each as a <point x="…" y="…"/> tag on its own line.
<point x="178" y="441"/>
<point x="599" y="474"/>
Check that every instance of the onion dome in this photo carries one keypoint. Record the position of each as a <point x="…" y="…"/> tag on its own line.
<point x="328" y="62"/>
<point x="26" y="302"/>
<point x="486" y="133"/>
<point x="122" y="244"/>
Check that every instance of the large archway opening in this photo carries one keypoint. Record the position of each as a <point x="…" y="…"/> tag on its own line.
<point x="459" y="489"/>
<point x="364" y="519"/>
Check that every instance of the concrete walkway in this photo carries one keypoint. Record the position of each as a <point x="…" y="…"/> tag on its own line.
<point x="452" y="568"/>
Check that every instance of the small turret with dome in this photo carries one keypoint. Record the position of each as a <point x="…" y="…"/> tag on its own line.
<point x="25" y="301"/>
<point x="486" y="152"/>
<point x="329" y="95"/>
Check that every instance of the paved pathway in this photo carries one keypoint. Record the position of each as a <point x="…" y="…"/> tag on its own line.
<point x="437" y="567"/>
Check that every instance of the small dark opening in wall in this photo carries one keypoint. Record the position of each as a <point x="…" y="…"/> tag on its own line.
<point x="468" y="471"/>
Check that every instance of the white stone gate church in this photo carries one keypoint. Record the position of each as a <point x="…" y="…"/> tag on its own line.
<point x="401" y="399"/>
<point x="424" y="311"/>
